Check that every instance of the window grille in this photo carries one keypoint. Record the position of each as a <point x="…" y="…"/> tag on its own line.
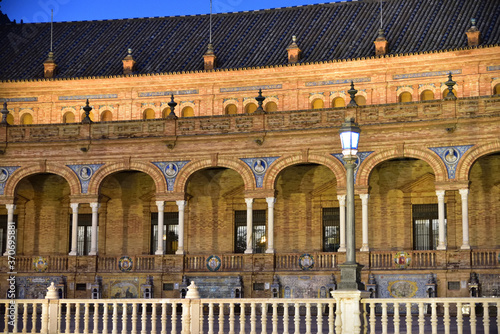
<point x="426" y="226"/>
<point x="331" y="229"/>
<point x="83" y="233"/>
<point x="170" y="232"/>
<point x="259" y="241"/>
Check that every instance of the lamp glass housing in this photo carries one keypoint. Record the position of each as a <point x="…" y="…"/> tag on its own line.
<point x="349" y="136"/>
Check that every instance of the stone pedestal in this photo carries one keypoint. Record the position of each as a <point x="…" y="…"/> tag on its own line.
<point x="350" y="277"/>
<point x="348" y="314"/>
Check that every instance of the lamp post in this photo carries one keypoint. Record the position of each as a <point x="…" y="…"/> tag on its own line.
<point x="350" y="271"/>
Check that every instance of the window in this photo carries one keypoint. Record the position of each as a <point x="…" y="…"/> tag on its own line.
<point x="170" y="232"/>
<point x="405" y="97"/>
<point x="27" y="119"/>
<point x="427" y="95"/>
<point x="271" y="106"/>
<point x="106" y="116"/>
<point x="148" y="114"/>
<point x="83" y="235"/>
<point x="331" y="229"/>
<point x="231" y="109"/>
<point x="187" y="112"/>
<point x="360" y="100"/>
<point x="10" y="119"/>
<point x="3" y="232"/>
<point x="496" y="90"/>
<point x="338" y="102"/>
<point x="259" y="231"/>
<point x="250" y="108"/>
<point x="69" y="117"/>
<point x="426" y="226"/>
<point x="317" y="104"/>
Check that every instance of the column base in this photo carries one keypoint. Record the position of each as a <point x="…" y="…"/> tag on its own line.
<point x="341" y="249"/>
<point x="349" y="309"/>
<point x="159" y="252"/>
<point x="465" y="247"/>
<point x="179" y="252"/>
<point x="441" y="247"/>
<point x="91" y="253"/>
<point x="364" y="248"/>
<point x="350" y="277"/>
<point x="248" y="251"/>
<point x="270" y="251"/>
<point x="72" y="253"/>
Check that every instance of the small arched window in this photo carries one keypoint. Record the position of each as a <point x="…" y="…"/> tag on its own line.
<point x="496" y="90"/>
<point x="10" y="119"/>
<point x="405" y="97"/>
<point x="231" y="109"/>
<point x="26" y="119"/>
<point x="271" y="106"/>
<point x="427" y="95"/>
<point x="188" y="112"/>
<point x="106" y="116"/>
<point x="69" y="117"/>
<point x="250" y="108"/>
<point x="338" y="102"/>
<point x="148" y="114"/>
<point x="318" y="104"/>
<point x="360" y="100"/>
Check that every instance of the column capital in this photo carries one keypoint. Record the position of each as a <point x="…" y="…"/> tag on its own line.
<point x="249" y="201"/>
<point x="364" y="197"/>
<point x="464" y="192"/>
<point x="95" y="205"/>
<point x="341" y="199"/>
<point x="160" y="205"/>
<point x="10" y="206"/>
<point x="74" y="206"/>
<point x="440" y="194"/>
<point x="181" y="204"/>
<point x="270" y="201"/>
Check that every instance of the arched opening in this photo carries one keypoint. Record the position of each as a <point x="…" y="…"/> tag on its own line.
<point x="69" y="117"/>
<point x="26" y="119"/>
<point x="338" y="102"/>
<point x="360" y="100"/>
<point x="217" y="212"/>
<point x="130" y="214"/>
<point x="231" y="109"/>
<point x="187" y="112"/>
<point x="106" y="116"/>
<point x="250" y="108"/>
<point x="271" y="106"/>
<point x="427" y="95"/>
<point x="165" y="112"/>
<point x="10" y="119"/>
<point x="405" y="97"/>
<point x="91" y="116"/>
<point x="318" y="104"/>
<point x="148" y="114"/>
<point x="496" y="90"/>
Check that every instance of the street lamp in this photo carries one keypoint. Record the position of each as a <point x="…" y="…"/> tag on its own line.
<point x="350" y="271"/>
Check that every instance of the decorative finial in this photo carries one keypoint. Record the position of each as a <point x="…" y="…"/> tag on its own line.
<point x="473" y="23"/>
<point x="381" y="34"/>
<point x="129" y="51"/>
<point x="450" y="83"/>
<point x="172" y="105"/>
<point x="87" y="109"/>
<point x="260" y="99"/>
<point x="4" y="112"/>
<point x="352" y="92"/>
<point x="294" y="39"/>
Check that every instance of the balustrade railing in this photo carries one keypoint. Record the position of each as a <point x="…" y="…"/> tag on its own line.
<point x="417" y="259"/>
<point x="291" y="261"/>
<point x="485" y="258"/>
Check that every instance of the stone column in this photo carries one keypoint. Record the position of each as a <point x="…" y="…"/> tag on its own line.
<point x="442" y="231"/>
<point x="249" y="202"/>
<point x="341" y="199"/>
<point x="465" y="218"/>
<point x="93" y="236"/>
<point x="74" y="230"/>
<point x="270" y="224"/>
<point x="180" y="245"/>
<point x="364" y="205"/>
<point x="10" y="218"/>
<point x="159" y="244"/>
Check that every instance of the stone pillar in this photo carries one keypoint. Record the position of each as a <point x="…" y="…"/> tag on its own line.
<point x="341" y="199"/>
<point x="159" y="244"/>
<point x="10" y="219"/>
<point x="249" y="202"/>
<point x="93" y="236"/>
<point x="442" y="231"/>
<point x="180" y="246"/>
<point x="74" y="230"/>
<point x="348" y="310"/>
<point x="364" y="205"/>
<point x="270" y="224"/>
<point x="465" y="218"/>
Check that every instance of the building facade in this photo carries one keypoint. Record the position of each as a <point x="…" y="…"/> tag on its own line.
<point x="250" y="195"/>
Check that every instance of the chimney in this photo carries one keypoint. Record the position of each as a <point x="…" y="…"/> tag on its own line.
<point x="293" y="51"/>
<point x="381" y="44"/>
<point x="209" y="58"/>
<point x="473" y="34"/>
<point x="128" y="63"/>
<point x="49" y="66"/>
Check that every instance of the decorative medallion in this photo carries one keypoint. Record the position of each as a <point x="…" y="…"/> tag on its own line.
<point x="4" y="174"/>
<point x="450" y="156"/>
<point x="259" y="166"/>
<point x="402" y="289"/>
<point x="85" y="173"/>
<point x="306" y="262"/>
<point x="125" y="263"/>
<point x="171" y="170"/>
<point x="40" y="264"/>
<point x="402" y="260"/>
<point x="213" y="263"/>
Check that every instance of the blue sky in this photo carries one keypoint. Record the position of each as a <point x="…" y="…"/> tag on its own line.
<point x="80" y="10"/>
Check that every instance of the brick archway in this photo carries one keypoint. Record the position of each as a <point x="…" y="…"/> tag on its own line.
<point x="326" y="160"/>
<point x="150" y="169"/>
<point x="471" y="156"/>
<point x="237" y="165"/>
<point x="61" y="170"/>
<point x="376" y="158"/>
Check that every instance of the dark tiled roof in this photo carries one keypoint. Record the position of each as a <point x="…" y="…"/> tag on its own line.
<point x="246" y="39"/>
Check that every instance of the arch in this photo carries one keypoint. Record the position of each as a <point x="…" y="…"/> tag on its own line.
<point x="10" y="119"/>
<point x="405" y="97"/>
<point x="250" y="108"/>
<point x="317" y="104"/>
<point x="148" y="168"/>
<point x="237" y="165"/>
<point x="165" y="112"/>
<point x="148" y="114"/>
<point x="26" y="119"/>
<point x="61" y="170"/>
<point x="187" y="111"/>
<point x="286" y="161"/>
<point x="338" y="102"/>
<point x="496" y="89"/>
<point x="360" y="100"/>
<point x="231" y="109"/>
<point x="376" y="158"/>
<point x="68" y="117"/>
<point x="427" y="95"/>
<point x="91" y="115"/>
<point x="106" y="116"/>
<point x="474" y="153"/>
<point x="271" y="106"/>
